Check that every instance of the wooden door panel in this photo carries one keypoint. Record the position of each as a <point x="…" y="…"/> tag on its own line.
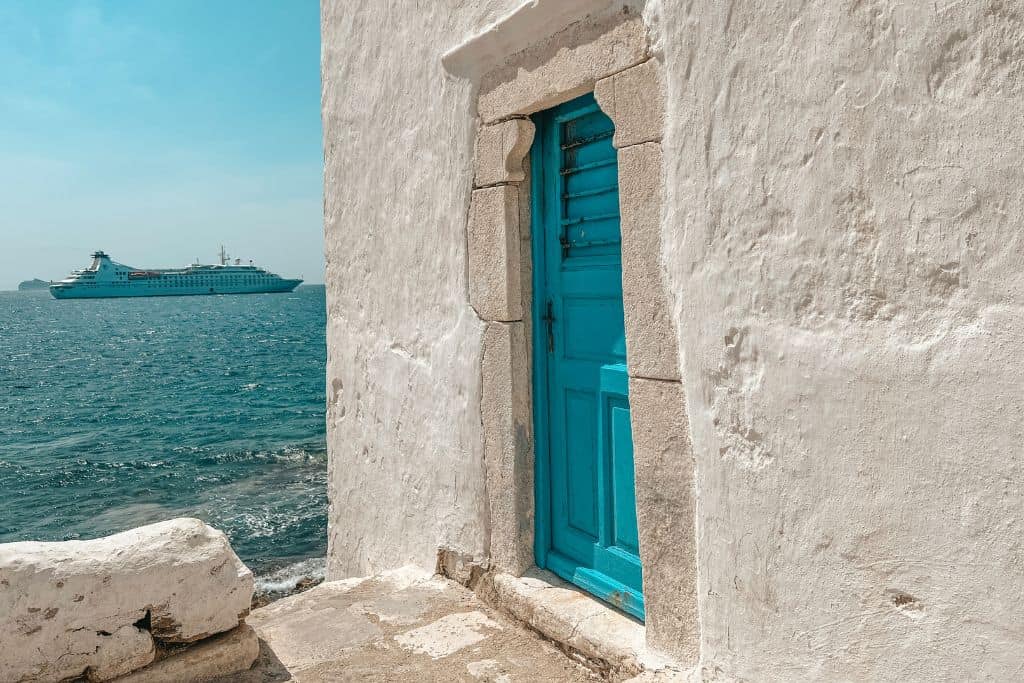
<point x="586" y="517"/>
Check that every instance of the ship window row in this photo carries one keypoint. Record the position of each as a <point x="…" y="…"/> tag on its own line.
<point x="197" y="281"/>
<point x="208" y="281"/>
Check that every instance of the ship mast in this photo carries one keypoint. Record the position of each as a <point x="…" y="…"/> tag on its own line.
<point x="223" y="256"/>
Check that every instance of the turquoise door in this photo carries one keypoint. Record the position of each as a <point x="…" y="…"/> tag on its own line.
<point x="586" y="507"/>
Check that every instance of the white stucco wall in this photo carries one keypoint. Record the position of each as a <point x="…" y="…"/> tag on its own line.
<point x="842" y="240"/>
<point x="403" y="363"/>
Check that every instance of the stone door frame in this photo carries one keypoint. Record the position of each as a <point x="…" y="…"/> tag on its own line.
<point x="610" y="56"/>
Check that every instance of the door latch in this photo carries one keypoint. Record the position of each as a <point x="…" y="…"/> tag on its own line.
<point x="549" y="320"/>
<point x="563" y="239"/>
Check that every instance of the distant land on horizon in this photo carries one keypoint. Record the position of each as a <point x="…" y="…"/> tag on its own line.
<point x="33" y="285"/>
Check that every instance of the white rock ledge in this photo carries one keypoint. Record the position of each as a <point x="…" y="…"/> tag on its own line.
<point x="100" y="608"/>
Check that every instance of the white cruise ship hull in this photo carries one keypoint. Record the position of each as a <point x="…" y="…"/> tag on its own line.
<point x="85" y="291"/>
<point x="106" y="279"/>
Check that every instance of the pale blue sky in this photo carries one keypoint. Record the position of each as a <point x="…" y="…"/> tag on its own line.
<point x="156" y="130"/>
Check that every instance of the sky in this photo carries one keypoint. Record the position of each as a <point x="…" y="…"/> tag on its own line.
<point x="157" y="130"/>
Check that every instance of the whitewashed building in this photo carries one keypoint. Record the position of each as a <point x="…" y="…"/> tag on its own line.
<point x="713" y="309"/>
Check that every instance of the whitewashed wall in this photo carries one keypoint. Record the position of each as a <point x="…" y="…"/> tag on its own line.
<point x="845" y="245"/>
<point x="843" y="239"/>
<point x="403" y="362"/>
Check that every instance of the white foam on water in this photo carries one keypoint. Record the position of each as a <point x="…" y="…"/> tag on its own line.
<point x="287" y="579"/>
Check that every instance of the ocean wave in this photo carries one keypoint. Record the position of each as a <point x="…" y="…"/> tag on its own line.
<point x="312" y="453"/>
<point x="207" y="421"/>
<point x="289" y="579"/>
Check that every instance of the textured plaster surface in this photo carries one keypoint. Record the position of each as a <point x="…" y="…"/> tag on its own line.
<point x="844" y="245"/>
<point x="842" y="250"/>
<point x="518" y="30"/>
<point x="403" y="371"/>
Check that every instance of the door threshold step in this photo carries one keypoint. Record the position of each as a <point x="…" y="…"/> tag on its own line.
<point x="592" y="632"/>
<point x="405" y="626"/>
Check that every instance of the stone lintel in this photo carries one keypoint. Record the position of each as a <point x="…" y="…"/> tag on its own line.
<point x="665" y="503"/>
<point x="500" y="150"/>
<point x="634" y="100"/>
<point x="561" y="67"/>
<point x="651" y="341"/>
<point x="525" y="25"/>
<point x="508" y="446"/>
<point x="494" y="251"/>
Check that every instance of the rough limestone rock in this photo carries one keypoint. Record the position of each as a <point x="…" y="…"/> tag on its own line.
<point x="99" y="608"/>
<point x="210" y="660"/>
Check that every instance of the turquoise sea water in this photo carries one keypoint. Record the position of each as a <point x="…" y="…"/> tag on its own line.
<point x="121" y="412"/>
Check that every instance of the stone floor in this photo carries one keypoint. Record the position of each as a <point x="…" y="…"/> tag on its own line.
<point x="402" y="626"/>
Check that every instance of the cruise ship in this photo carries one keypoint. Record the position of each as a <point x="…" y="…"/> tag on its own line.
<point x="105" y="278"/>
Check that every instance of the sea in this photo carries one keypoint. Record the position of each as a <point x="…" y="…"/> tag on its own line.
<point x="120" y="412"/>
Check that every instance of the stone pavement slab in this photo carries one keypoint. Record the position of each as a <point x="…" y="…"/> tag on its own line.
<point x="399" y="626"/>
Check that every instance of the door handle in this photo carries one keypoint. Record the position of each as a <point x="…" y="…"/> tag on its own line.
<point x="563" y="239"/>
<point x="549" y="320"/>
